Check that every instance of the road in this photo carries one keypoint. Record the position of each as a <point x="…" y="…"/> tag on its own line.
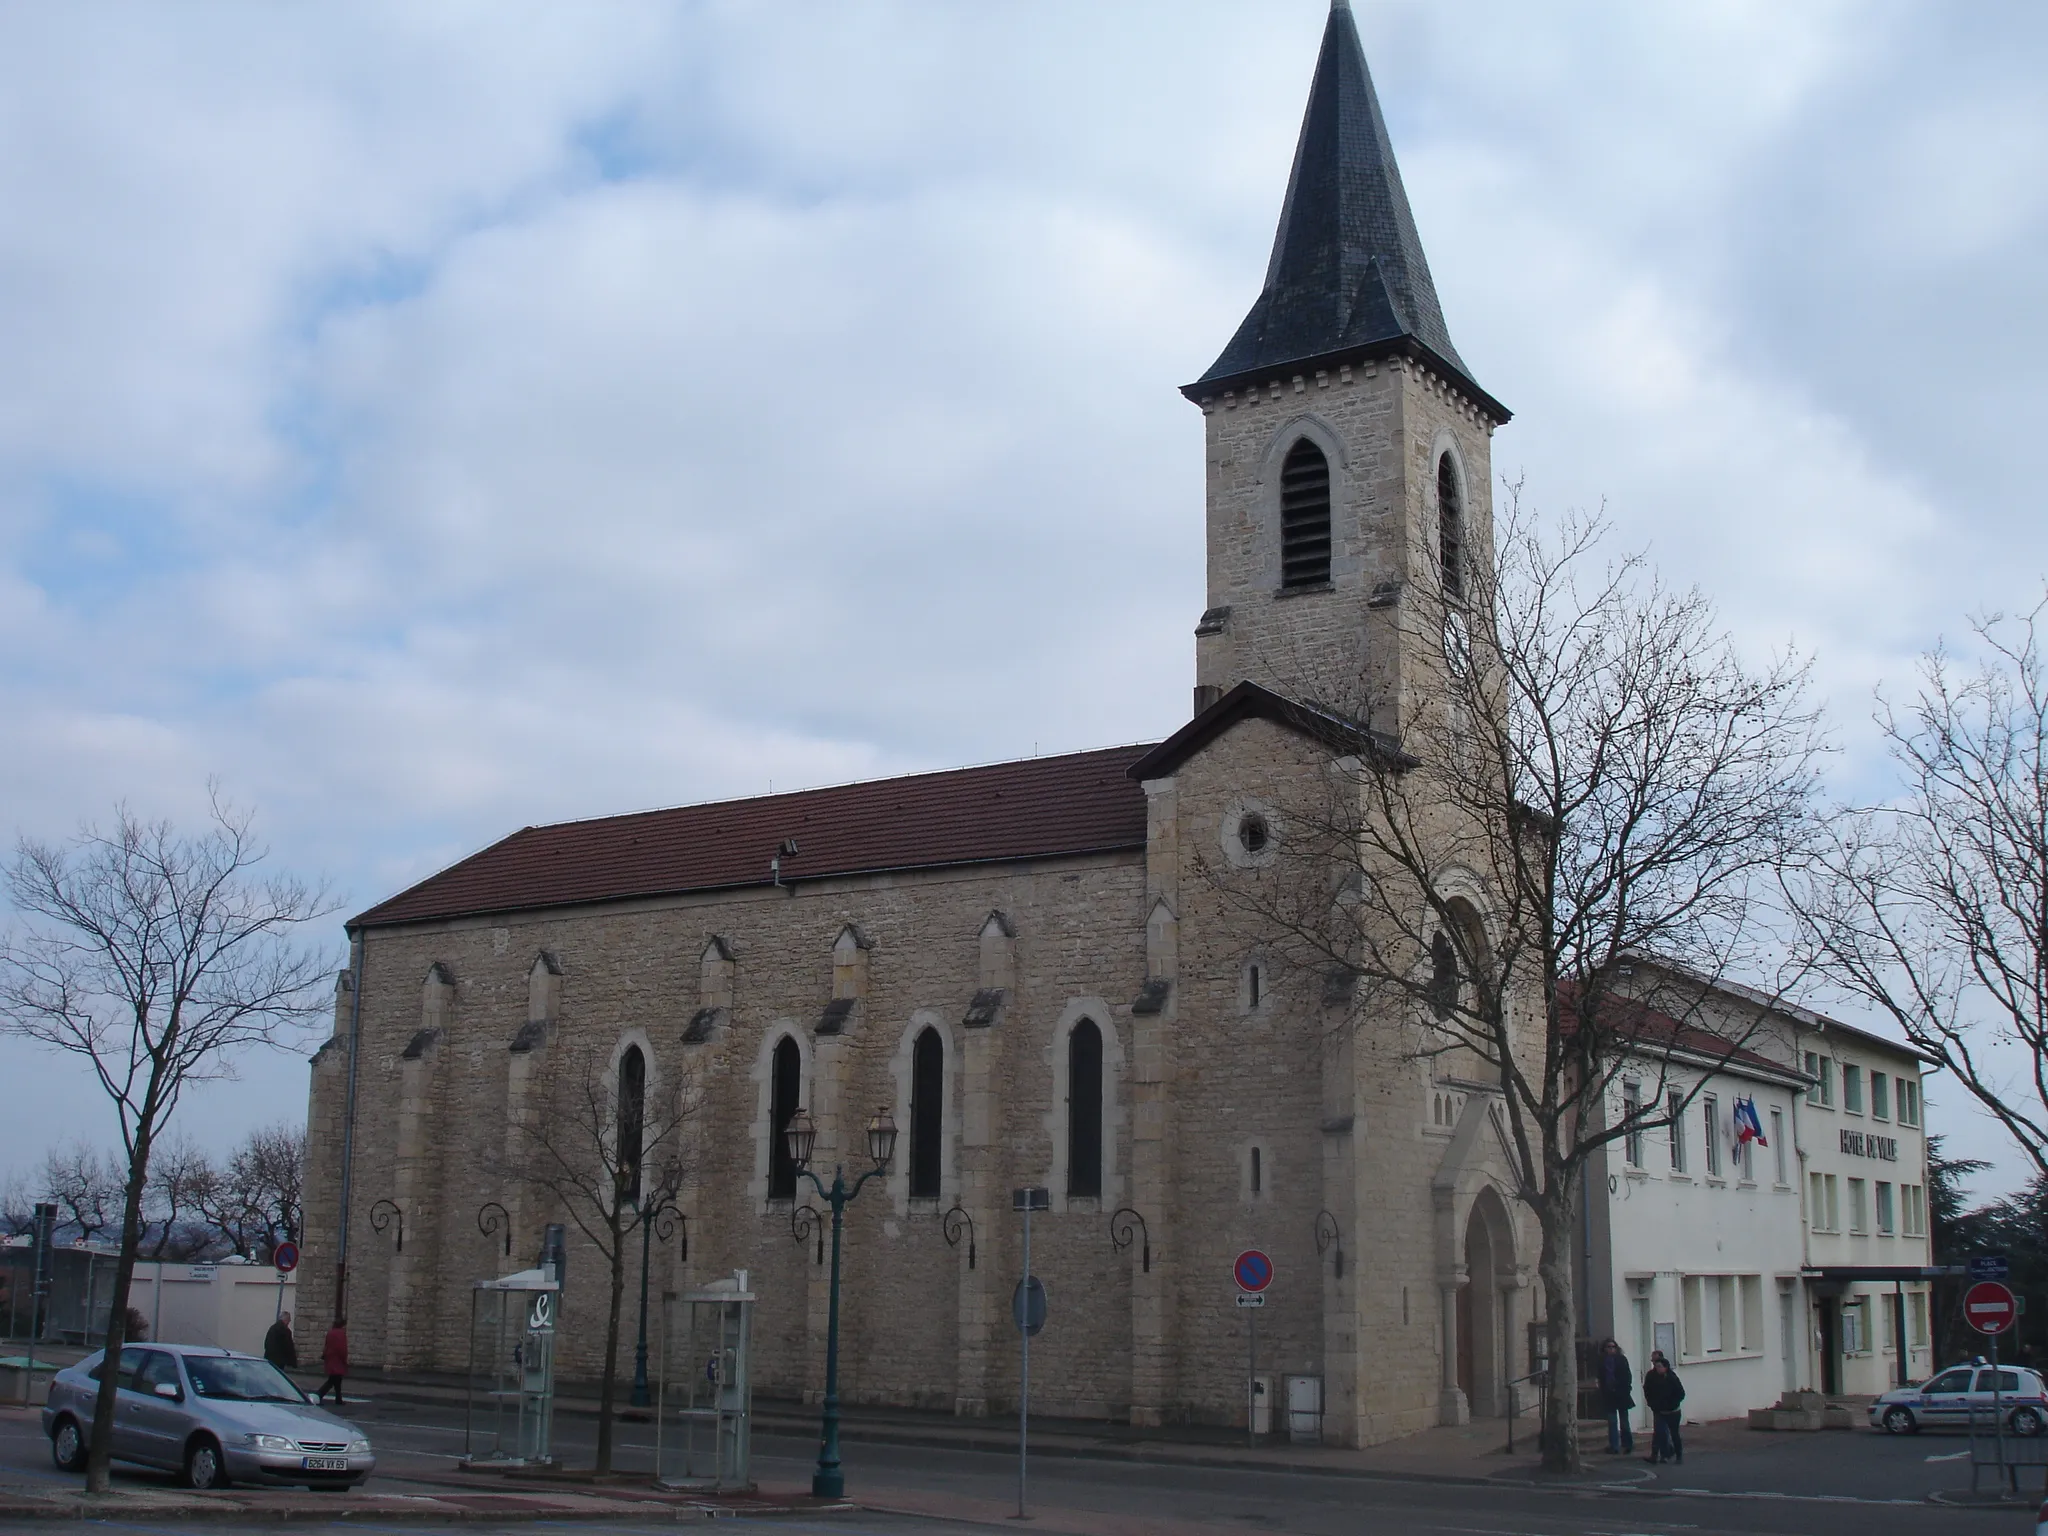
<point x="937" y="1491"/>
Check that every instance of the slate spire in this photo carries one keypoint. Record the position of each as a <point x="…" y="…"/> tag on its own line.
<point x="1347" y="276"/>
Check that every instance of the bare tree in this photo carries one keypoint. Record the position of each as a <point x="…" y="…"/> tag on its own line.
<point x="1934" y="909"/>
<point x="180" y="1175"/>
<point x="17" y="1207"/>
<point x="270" y="1169"/>
<point x="87" y="1187"/>
<point x="605" y="1145"/>
<point x="253" y="1202"/>
<point x="1585" y="772"/>
<point x="155" y="959"/>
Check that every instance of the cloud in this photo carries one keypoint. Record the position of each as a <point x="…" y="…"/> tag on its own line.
<point x="438" y="419"/>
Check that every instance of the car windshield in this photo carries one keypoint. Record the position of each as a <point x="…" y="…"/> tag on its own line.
<point x="229" y="1379"/>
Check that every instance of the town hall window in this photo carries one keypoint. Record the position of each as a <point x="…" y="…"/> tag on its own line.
<point x="1084" y="1109"/>
<point x="1304" y="517"/>
<point x="1450" y="527"/>
<point x="927" y="1113"/>
<point x="632" y="1119"/>
<point x="785" y="1089"/>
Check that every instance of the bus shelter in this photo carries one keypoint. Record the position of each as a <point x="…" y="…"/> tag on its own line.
<point x="509" y="1416"/>
<point x="704" y="1413"/>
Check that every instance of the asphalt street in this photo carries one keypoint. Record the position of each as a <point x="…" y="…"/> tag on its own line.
<point x="417" y="1441"/>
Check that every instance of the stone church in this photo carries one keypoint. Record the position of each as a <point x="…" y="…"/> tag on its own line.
<point x="1029" y="966"/>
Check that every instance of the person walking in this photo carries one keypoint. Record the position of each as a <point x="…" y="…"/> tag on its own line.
<point x="279" y="1347"/>
<point x="1617" y="1397"/>
<point x="334" y="1359"/>
<point x="1663" y="1392"/>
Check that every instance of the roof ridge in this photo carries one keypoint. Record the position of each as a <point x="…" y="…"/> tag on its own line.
<point x="819" y="789"/>
<point x="1015" y="808"/>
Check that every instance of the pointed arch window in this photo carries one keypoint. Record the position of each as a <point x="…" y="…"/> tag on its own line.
<point x="1450" y="526"/>
<point x="785" y="1092"/>
<point x="927" y="1113"/>
<point x="1304" y="517"/>
<point x="632" y="1119"/>
<point x="1443" y="975"/>
<point x="1084" y="1109"/>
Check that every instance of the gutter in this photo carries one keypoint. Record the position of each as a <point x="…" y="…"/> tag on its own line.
<point x="360" y="944"/>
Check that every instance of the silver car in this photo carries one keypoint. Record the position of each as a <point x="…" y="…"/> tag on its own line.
<point x="212" y="1415"/>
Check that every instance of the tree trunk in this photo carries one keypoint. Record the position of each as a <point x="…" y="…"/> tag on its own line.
<point x="1554" y="1268"/>
<point x="100" y="1454"/>
<point x="610" y="1382"/>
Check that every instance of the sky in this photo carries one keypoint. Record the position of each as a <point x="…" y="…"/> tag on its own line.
<point x="432" y="419"/>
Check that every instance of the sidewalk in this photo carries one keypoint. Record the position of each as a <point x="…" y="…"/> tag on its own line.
<point x="1464" y="1453"/>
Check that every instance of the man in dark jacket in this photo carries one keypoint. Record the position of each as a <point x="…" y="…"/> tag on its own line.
<point x="1617" y="1397"/>
<point x="278" y="1346"/>
<point x="1663" y="1392"/>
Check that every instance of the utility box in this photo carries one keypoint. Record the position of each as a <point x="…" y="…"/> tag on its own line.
<point x="703" y="1422"/>
<point x="1305" y="1410"/>
<point x="1262" y="1405"/>
<point x="511" y="1408"/>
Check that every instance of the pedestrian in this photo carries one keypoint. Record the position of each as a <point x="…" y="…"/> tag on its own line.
<point x="1617" y="1397"/>
<point x="1662" y="1394"/>
<point x="279" y="1347"/>
<point x="334" y="1358"/>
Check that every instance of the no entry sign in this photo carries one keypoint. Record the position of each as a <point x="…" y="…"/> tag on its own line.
<point x="1989" y="1307"/>
<point x="1254" y="1271"/>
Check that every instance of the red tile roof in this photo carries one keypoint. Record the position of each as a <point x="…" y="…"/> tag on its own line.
<point x="1041" y="807"/>
<point x="1629" y="1023"/>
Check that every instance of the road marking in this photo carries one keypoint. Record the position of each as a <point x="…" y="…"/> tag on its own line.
<point x="1951" y="1456"/>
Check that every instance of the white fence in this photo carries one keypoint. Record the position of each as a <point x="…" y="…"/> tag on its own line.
<point x="230" y="1305"/>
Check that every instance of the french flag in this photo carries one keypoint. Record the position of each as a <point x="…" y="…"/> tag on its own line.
<point x="1747" y="1126"/>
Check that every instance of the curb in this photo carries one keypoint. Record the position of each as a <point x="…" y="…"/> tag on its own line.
<point x="422" y="1509"/>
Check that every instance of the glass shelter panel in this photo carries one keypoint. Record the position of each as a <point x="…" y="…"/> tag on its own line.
<point x="511" y="1404"/>
<point x="703" y="1422"/>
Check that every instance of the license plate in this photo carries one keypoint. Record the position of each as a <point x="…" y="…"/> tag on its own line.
<point x="324" y="1464"/>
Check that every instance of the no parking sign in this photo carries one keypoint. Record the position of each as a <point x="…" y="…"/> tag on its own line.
<point x="1253" y="1271"/>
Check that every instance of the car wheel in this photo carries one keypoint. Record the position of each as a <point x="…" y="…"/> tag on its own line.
<point x="1899" y="1421"/>
<point x="67" y="1446"/>
<point x="2026" y="1421"/>
<point x="204" y="1467"/>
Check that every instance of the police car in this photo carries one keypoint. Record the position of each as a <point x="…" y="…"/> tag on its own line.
<point x="1951" y="1399"/>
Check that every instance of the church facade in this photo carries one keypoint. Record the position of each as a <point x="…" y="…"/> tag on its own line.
<point x="1033" y="967"/>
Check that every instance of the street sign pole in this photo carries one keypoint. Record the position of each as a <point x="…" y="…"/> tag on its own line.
<point x="1997" y="1409"/>
<point x="284" y="1257"/>
<point x="1251" y="1399"/>
<point x="1028" y="1308"/>
<point x="1253" y="1272"/>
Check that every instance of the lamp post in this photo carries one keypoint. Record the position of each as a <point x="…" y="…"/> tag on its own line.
<point x="828" y="1482"/>
<point x="658" y="1218"/>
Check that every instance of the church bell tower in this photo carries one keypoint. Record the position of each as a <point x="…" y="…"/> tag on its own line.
<point x="1347" y="443"/>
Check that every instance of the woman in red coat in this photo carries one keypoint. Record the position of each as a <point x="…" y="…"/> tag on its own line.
<point x="334" y="1356"/>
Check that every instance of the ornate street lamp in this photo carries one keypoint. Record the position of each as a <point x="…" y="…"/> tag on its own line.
<point x="802" y="1134"/>
<point x="658" y="1218"/>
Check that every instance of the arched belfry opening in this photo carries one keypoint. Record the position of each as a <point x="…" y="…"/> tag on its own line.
<point x="1450" y="526"/>
<point x="1304" y="517"/>
<point x="1486" y="1307"/>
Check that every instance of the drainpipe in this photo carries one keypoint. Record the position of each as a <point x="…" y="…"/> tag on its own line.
<point x="348" y="1123"/>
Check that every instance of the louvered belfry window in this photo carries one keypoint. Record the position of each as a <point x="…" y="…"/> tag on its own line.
<point x="1450" y="522"/>
<point x="1304" y="517"/>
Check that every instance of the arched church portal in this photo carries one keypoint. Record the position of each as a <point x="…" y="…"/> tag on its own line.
<point x="1486" y="1310"/>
